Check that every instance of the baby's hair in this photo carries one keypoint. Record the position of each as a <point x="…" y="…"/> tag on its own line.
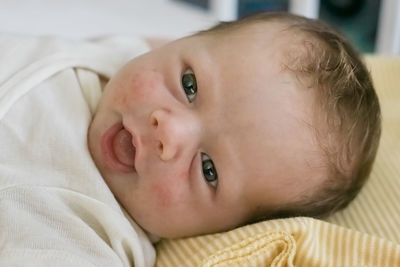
<point x="347" y="108"/>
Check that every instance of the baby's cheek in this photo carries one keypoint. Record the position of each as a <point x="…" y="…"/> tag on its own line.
<point x="142" y="87"/>
<point x="167" y="196"/>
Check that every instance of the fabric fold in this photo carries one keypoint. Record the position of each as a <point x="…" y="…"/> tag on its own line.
<point x="271" y="249"/>
<point x="297" y="241"/>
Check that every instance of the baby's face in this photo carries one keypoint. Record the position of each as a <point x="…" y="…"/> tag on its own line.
<point x="204" y="133"/>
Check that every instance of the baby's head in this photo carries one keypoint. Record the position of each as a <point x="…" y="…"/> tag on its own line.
<point x="271" y="116"/>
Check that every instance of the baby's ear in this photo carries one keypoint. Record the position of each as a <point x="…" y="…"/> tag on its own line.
<point x="156" y="42"/>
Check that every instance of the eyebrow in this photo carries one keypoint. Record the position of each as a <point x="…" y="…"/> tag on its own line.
<point x="222" y="156"/>
<point x="221" y="148"/>
<point x="227" y="162"/>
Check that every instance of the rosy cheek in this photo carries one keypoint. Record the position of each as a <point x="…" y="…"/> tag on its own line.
<point x="144" y="86"/>
<point x="171" y="193"/>
<point x="163" y="195"/>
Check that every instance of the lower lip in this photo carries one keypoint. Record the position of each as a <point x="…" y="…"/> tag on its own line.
<point x="110" y="160"/>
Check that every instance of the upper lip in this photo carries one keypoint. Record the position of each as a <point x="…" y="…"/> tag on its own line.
<point x="135" y="143"/>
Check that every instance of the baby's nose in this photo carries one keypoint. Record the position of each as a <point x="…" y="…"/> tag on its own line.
<point x="173" y="133"/>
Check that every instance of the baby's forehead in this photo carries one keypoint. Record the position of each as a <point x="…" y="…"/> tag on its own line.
<point x="259" y="42"/>
<point x="270" y="30"/>
<point x="252" y="83"/>
<point x="267" y="125"/>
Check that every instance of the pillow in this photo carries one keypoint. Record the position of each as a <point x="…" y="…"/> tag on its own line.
<point x="364" y="234"/>
<point x="376" y="210"/>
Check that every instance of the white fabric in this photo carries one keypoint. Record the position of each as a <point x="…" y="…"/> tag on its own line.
<point x="55" y="208"/>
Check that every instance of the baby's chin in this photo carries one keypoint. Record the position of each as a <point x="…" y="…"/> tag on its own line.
<point x="180" y="231"/>
<point x="158" y="231"/>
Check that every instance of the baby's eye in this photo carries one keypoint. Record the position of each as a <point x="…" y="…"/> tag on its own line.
<point x="209" y="171"/>
<point x="189" y="84"/>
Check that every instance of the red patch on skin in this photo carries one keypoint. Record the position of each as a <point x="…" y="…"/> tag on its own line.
<point x="138" y="87"/>
<point x="172" y="195"/>
<point x="162" y="194"/>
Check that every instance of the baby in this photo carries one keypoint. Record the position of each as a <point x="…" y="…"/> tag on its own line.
<point x="271" y="116"/>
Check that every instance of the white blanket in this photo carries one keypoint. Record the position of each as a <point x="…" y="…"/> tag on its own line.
<point x="55" y="209"/>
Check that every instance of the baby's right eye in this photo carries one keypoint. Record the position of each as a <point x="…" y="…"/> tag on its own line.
<point x="209" y="171"/>
<point x="189" y="84"/>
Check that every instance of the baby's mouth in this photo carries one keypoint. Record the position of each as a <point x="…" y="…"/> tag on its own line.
<point x="123" y="148"/>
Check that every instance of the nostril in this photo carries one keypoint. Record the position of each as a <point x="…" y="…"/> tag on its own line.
<point x="160" y="147"/>
<point x="155" y="122"/>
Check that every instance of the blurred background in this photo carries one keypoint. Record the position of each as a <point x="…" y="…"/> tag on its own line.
<point x="372" y="25"/>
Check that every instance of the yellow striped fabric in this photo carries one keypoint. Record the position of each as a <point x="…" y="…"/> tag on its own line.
<point x="286" y="242"/>
<point x="367" y="233"/>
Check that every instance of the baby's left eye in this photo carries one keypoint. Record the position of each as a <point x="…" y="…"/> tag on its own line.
<point x="209" y="171"/>
<point x="189" y="84"/>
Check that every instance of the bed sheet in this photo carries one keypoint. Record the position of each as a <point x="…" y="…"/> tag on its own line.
<point x="79" y="19"/>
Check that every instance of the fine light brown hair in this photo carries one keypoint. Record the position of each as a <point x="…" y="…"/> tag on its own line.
<point x="347" y="106"/>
